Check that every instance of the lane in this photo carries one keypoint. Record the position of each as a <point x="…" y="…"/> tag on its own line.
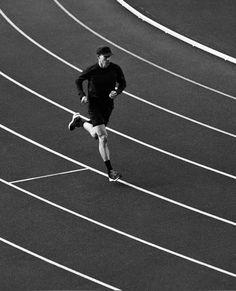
<point x="21" y="271"/>
<point x="199" y="105"/>
<point x="165" y="133"/>
<point x="215" y="20"/>
<point x="71" y="241"/>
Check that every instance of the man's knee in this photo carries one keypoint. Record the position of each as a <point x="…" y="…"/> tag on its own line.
<point x="103" y="138"/>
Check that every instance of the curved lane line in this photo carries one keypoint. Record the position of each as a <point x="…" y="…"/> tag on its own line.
<point x="50" y="261"/>
<point x="127" y="93"/>
<point x="122" y="134"/>
<point x="140" y="189"/>
<point x="140" y="58"/>
<point x="132" y="237"/>
<point x="175" y="34"/>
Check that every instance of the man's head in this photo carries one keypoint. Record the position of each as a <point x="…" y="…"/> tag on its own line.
<point x="104" y="54"/>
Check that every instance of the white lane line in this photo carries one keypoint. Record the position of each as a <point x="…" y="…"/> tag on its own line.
<point x="121" y="232"/>
<point x="182" y="116"/>
<point x="57" y="264"/>
<point x="125" y="135"/>
<point x="36" y="94"/>
<point x="175" y="34"/>
<point x="36" y="43"/>
<point x="120" y="181"/>
<point x="127" y="93"/>
<point x="140" y="58"/>
<point x="47" y="176"/>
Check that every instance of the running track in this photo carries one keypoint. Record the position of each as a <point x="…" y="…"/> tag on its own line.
<point x="170" y="223"/>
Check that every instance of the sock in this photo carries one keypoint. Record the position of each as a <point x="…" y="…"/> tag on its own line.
<point x="108" y="165"/>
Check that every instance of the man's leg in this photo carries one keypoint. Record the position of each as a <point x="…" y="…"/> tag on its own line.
<point x="101" y="132"/>
<point x="98" y="132"/>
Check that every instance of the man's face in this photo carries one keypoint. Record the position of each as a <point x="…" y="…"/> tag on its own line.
<point x="104" y="60"/>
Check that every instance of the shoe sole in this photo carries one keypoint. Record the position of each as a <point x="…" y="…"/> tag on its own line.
<point x="114" y="180"/>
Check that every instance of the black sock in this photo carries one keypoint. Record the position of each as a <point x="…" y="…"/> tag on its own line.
<point x="108" y="165"/>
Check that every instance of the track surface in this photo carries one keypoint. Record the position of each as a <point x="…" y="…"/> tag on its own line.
<point x="209" y="22"/>
<point x="137" y="238"/>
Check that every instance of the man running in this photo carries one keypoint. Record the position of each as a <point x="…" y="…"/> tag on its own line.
<point x="105" y="81"/>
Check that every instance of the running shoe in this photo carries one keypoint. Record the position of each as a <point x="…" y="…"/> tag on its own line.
<point x="75" y="122"/>
<point x="114" y="176"/>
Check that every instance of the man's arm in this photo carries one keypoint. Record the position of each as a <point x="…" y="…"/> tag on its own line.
<point x="79" y="83"/>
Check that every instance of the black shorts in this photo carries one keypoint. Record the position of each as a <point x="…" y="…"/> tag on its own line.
<point x="100" y="113"/>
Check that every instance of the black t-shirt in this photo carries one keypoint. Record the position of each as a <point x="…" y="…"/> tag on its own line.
<point x="101" y="81"/>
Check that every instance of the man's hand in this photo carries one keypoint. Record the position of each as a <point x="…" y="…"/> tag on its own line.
<point x="84" y="100"/>
<point x="113" y="94"/>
